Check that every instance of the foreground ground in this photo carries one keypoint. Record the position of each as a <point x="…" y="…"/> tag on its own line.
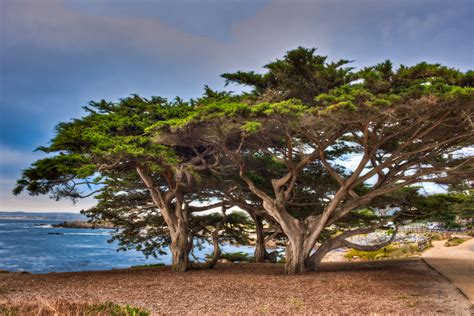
<point x="455" y="263"/>
<point x="405" y="286"/>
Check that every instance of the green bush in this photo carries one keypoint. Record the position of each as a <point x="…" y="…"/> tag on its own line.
<point x="64" y="307"/>
<point x="235" y="256"/>
<point x="454" y="241"/>
<point x="113" y="309"/>
<point x="148" y="266"/>
<point x="392" y="251"/>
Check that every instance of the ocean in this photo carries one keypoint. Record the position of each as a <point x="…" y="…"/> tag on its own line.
<point x="28" y="245"/>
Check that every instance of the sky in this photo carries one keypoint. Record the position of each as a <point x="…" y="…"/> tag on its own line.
<point x="57" y="55"/>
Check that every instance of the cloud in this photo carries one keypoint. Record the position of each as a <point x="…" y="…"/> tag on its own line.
<point x="10" y="157"/>
<point x="204" y="18"/>
<point x="55" y="55"/>
<point x="27" y="203"/>
<point x="11" y="162"/>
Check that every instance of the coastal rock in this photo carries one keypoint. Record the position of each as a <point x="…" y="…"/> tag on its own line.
<point x="82" y="224"/>
<point x="379" y="237"/>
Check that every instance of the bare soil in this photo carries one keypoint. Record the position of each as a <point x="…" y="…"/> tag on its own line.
<point x="402" y="287"/>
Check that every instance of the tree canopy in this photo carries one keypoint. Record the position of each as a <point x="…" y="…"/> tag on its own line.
<point x="313" y="151"/>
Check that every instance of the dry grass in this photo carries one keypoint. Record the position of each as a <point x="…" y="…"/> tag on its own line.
<point x="61" y="307"/>
<point x="405" y="286"/>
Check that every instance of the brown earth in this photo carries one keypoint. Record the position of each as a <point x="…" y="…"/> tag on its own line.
<point x="401" y="287"/>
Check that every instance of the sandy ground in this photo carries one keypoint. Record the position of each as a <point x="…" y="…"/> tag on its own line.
<point x="455" y="263"/>
<point x="405" y="286"/>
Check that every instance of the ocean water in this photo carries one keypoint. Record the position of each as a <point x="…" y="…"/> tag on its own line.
<point x="25" y="245"/>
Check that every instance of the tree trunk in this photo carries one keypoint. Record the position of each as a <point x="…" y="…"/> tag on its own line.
<point x="260" y="251"/>
<point x="176" y="219"/>
<point x="296" y="254"/>
<point x="217" y="250"/>
<point x="315" y="259"/>
<point x="180" y="248"/>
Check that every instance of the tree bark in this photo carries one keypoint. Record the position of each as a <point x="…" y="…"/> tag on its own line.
<point x="176" y="219"/>
<point x="315" y="259"/>
<point x="260" y="251"/>
<point x="340" y="241"/>
<point x="217" y="250"/>
<point x="180" y="248"/>
<point x="296" y="253"/>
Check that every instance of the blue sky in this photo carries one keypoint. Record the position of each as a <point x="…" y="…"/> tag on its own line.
<point x="56" y="55"/>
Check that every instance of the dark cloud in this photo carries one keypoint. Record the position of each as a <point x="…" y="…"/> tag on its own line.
<point x="55" y="55"/>
<point x="206" y="18"/>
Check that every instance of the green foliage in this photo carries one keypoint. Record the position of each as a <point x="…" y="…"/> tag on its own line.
<point x="52" y="174"/>
<point x="145" y="266"/>
<point x="454" y="241"/>
<point x="235" y="256"/>
<point x="392" y="251"/>
<point x="301" y="102"/>
<point x="445" y="207"/>
<point x="113" y="309"/>
<point x="234" y="229"/>
<point x="68" y="308"/>
<point x="300" y="74"/>
<point x="110" y="134"/>
<point x="251" y="127"/>
<point x="434" y="236"/>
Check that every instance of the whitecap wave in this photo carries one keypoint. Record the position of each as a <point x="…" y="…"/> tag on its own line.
<point x="43" y="226"/>
<point x="81" y="246"/>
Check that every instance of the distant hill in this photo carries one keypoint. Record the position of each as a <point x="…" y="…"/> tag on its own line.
<point x="56" y="216"/>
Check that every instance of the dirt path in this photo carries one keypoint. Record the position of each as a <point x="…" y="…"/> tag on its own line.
<point x="455" y="263"/>
<point x="401" y="287"/>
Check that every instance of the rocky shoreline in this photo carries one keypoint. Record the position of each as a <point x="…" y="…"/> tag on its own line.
<point x="82" y="224"/>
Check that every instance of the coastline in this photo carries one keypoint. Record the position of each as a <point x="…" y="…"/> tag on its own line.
<point x="83" y="224"/>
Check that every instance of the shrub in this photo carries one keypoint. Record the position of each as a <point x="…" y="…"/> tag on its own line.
<point x="109" y="308"/>
<point x="392" y="251"/>
<point x="63" y="307"/>
<point x="235" y="256"/>
<point x="143" y="266"/>
<point x="454" y="241"/>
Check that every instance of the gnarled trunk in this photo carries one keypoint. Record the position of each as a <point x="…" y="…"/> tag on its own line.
<point x="315" y="259"/>
<point x="296" y="254"/>
<point x="180" y="248"/>
<point x="300" y="240"/>
<point x="340" y="241"/>
<point x="260" y="251"/>
<point x="217" y="250"/>
<point x="175" y="217"/>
